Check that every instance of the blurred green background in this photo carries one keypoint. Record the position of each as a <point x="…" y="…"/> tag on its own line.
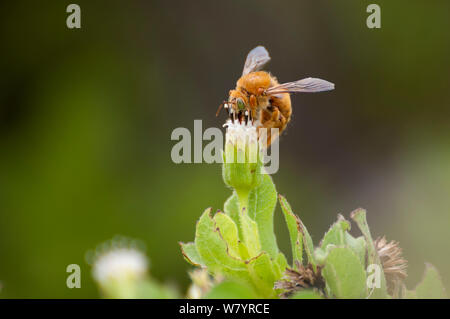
<point x="86" y="117"/>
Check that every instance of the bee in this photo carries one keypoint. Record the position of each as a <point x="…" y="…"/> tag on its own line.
<point x="259" y="98"/>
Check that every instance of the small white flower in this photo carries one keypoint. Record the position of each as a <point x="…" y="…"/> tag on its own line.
<point x="239" y="132"/>
<point x="119" y="264"/>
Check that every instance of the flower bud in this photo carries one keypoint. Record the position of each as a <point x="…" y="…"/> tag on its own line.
<point x="242" y="161"/>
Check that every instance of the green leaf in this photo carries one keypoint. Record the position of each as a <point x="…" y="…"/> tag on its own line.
<point x="261" y="206"/>
<point x="280" y="265"/>
<point x="308" y="245"/>
<point x="231" y="290"/>
<point x="320" y="255"/>
<point x="359" y="216"/>
<point x="307" y="240"/>
<point x="293" y="225"/>
<point x="250" y="234"/>
<point x="263" y="274"/>
<point x="344" y="274"/>
<point x="213" y="249"/>
<point x="191" y="255"/>
<point x="231" y="208"/>
<point x="229" y="232"/>
<point x="431" y="286"/>
<point x="358" y="245"/>
<point x="336" y="234"/>
<point x="306" y="294"/>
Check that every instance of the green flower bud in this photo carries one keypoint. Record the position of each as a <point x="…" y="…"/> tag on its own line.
<point x="242" y="166"/>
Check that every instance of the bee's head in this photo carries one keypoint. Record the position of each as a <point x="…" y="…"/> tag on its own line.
<point x="237" y="106"/>
<point x="238" y="101"/>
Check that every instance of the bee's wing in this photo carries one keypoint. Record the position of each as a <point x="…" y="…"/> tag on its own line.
<point x="256" y="59"/>
<point x="304" y="85"/>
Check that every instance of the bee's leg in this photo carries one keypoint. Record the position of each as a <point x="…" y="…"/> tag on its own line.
<point x="253" y="101"/>
<point x="273" y="118"/>
<point x="232" y="115"/>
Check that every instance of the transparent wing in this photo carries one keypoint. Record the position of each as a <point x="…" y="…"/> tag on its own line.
<point x="256" y="59"/>
<point x="304" y="85"/>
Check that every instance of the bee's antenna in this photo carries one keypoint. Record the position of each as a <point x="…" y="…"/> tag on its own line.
<point x="219" y="109"/>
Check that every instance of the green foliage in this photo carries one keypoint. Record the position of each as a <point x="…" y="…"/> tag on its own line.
<point x="240" y="245"/>
<point x="218" y="247"/>
<point x="336" y="234"/>
<point x="238" y="248"/>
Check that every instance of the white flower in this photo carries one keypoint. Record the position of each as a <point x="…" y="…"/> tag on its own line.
<point x="240" y="132"/>
<point x="119" y="264"/>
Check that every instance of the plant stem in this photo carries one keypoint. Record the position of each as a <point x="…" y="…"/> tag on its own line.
<point x="243" y="196"/>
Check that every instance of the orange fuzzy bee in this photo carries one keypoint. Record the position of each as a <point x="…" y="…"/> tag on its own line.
<point x="259" y="97"/>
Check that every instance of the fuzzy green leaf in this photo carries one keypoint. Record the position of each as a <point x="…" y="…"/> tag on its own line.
<point x="191" y="255"/>
<point x="336" y="234"/>
<point x="231" y="207"/>
<point x="431" y="286"/>
<point x="308" y="245"/>
<point x="293" y="225"/>
<point x="358" y="245"/>
<point x="229" y="232"/>
<point x="280" y="265"/>
<point x="320" y="255"/>
<point x="344" y="274"/>
<point x="263" y="274"/>
<point x="250" y="234"/>
<point x="261" y="206"/>
<point x="213" y="249"/>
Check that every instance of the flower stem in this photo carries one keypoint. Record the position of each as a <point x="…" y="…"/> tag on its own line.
<point x="243" y="196"/>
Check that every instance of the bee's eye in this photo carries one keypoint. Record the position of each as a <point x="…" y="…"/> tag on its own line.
<point x="240" y="104"/>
